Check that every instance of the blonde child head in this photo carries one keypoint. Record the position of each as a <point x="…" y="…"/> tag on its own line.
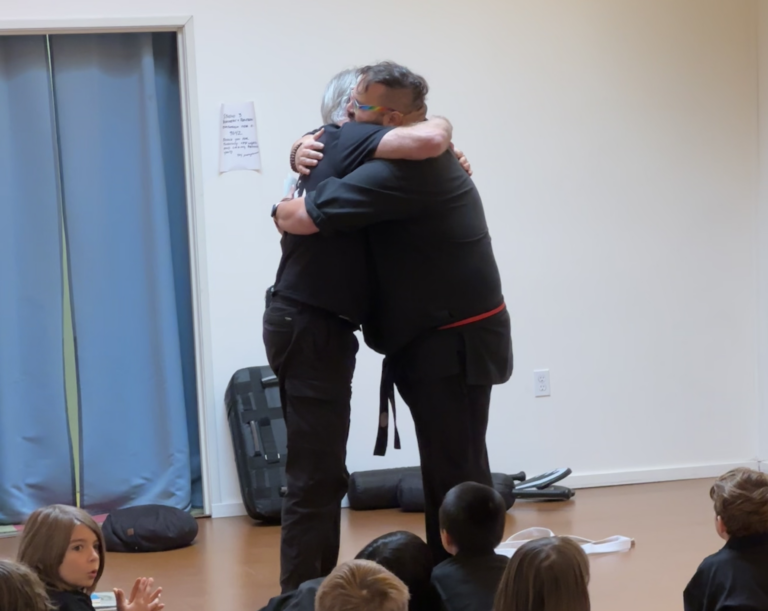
<point x="362" y="585"/>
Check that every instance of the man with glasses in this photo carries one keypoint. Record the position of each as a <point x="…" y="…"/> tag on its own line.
<point x="321" y="296"/>
<point x="438" y="314"/>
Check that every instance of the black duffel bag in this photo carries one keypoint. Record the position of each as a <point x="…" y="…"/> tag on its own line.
<point x="148" y="528"/>
<point x="377" y="489"/>
<point x="410" y="491"/>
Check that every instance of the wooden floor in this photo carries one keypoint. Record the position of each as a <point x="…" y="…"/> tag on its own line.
<point x="234" y="564"/>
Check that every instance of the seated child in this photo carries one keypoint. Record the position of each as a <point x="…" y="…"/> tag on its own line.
<point x="471" y="526"/>
<point x="409" y="558"/>
<point x="406" y="555"/>
<point x="65" y="547"/>
<point x="549" y="574"/>
<point x="361" y="585"/>
<point x="21" y="589"/>
<point x="736" y="577"/>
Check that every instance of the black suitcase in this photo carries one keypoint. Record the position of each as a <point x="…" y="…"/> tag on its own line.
<point x="259" y="439"/>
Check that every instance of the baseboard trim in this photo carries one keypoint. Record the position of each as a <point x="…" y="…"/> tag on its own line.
<point x="648" y="476"/>
<point x="228" y="510"/>
<point x="581" y="480"/>
<point x="236" y="508"/>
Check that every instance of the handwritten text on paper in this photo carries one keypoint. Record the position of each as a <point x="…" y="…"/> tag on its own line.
<point x="239" y="143"/>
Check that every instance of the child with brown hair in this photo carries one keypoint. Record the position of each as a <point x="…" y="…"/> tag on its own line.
<point x="736" y="577"/>
<point x="549" y="574"/>
<point x="361" y="585"/>
<point x="21" y="589"/>
<point x="65" y="547"/>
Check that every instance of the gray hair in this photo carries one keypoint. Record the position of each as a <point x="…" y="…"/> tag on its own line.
<point x="337" y="95"/>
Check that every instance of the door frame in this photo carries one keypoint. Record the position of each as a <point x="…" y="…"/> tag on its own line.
<point x="184" y="28"/>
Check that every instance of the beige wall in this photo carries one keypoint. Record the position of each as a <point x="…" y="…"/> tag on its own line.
<point x="762" y="230"/>
<point x="615" y="145"/>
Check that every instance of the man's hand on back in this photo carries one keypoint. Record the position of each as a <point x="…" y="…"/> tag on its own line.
<point x="463" y="161"/>
<point x="308" y="152"/>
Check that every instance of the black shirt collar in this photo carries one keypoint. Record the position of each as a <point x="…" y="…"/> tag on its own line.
<point x="750" y="541"/>
<point x="475" y="555"/>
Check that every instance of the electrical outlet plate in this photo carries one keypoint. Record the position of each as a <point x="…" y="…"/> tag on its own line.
<point x="541" y="383"/>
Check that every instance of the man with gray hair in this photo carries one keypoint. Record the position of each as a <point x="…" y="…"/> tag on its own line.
<point x="321" y="296"/>
<point x="333" y="108"/>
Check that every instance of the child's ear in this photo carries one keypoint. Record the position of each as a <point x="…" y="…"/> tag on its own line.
<point x="722" y="531"/>
<point x="448" y="545"/>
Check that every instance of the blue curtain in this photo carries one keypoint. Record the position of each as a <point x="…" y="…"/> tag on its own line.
<point x="35" y="454"/>
<point x="123" y="190"/>
<point x="172" y="140"/>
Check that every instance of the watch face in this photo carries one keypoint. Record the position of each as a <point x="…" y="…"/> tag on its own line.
<point x="274" y="210"/>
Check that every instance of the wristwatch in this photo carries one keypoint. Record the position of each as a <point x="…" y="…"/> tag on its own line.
<point x="274" y="210"/>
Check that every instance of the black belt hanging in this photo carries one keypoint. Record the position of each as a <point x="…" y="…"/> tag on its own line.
<point x="387" y="389"/>
<point x="386" y="396"/>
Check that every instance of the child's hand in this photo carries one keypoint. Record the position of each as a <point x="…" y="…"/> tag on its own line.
<point x="142" y="598"/>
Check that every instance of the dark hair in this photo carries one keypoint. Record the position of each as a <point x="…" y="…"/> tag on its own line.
<point x="473" y="515"/>
<point x="396" y="77"/>
<point x="408" y="557"/>
<point x="741" y="501"/>
<point x="548" y="574"/>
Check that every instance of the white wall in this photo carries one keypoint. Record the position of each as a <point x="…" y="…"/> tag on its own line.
<point x="762" y="229"/>
<point x="615" y="145"/>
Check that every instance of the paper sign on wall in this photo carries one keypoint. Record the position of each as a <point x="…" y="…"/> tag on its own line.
<point x="239" y="144"/>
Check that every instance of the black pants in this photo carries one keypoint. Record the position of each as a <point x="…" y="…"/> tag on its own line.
<point x="313" y="354"/>
<point x="451" y="419"/>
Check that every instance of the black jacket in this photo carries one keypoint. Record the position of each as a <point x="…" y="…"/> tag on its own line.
<point x="733" y="579"/>
<point x="429" y="243"/>
<point x="433" y="265"/>
<point x="332" y="274"/>
<point x="70" y="601"/>
<point x="469" y="583"/>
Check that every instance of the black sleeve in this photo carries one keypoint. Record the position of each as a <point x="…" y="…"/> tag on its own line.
<point x="314" y="131"/>
<point x="438" y="581"/>
<point x="697" y="591"/>
<point x="302" y="599"/>
<point x="70" y="601"/>
<point x="301" y="182"/>
<point x="280" y="602"/>
<point x="371" y="194"/>
<point x="357" y="144"/>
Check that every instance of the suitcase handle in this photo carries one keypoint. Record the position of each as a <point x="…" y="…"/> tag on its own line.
<point x="268" y="444"/>
<point x="255" y="435"/>
<point x="269" y="381"/>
